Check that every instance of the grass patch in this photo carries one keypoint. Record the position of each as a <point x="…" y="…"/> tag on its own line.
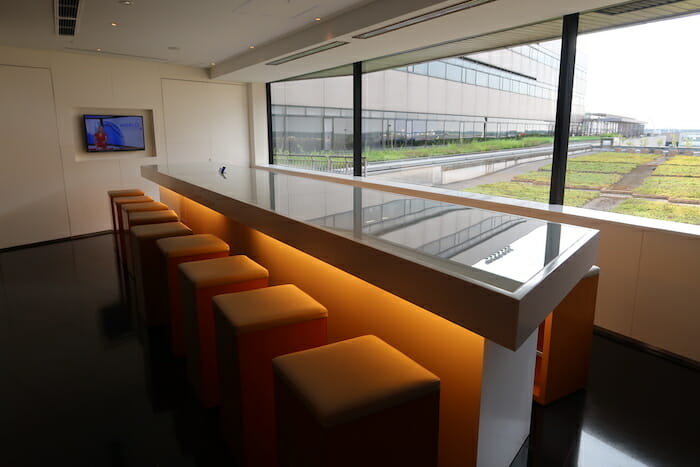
<point x="678" y="170"/>
<point x="625" y="157"/>
<point x="374" y="155"/>
<point x="671" y="187"/>
<point x="683" y="160"/>
<point x="659" y="210"/>
<point x="528" y="192"/>
<point x="573" y="179"/>
<point x="574" y="165"/>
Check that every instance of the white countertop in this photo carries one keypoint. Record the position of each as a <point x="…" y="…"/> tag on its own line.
<point x="496" y="274"/>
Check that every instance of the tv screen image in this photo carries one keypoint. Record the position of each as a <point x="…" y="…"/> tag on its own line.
<point x="104" y="133"/>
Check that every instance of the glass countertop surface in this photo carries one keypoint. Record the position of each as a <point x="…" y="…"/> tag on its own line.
<point x="501" y="250"/>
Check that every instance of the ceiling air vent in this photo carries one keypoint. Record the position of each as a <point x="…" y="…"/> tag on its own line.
<point x="424" y="17"/>
<point x="306" y="53"/>
<point x="66" y="16"/>
<point x="634" y="6"/>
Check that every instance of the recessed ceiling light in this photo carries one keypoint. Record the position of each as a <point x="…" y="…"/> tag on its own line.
<point x="212" y="63"/>
<point x="125" y="2"/>
<point x="251" y="47"/>
<point x="115" y="24"/>
<point x="99" y="50"/>
<point x="317" y="19"/>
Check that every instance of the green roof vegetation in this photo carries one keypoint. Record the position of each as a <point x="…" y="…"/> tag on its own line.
<point x="475" y="146"/>
<point x="683" y="160"/>
<point x="573" y="179"/>
<point x="671" y="187"/>
<point x="678" y="170"/>
<point x="529" y="192"/>
<point x="659" y="210"/>
<point x="574" y="165"/>
<point x="627" y="157"/>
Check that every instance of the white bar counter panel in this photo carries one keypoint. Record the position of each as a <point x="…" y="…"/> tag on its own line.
<point x="496" y="274"/>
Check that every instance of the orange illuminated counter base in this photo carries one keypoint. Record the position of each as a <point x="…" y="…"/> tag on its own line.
<point x="460" y="290"/>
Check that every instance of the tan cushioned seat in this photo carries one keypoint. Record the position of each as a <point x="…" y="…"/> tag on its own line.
<point x="148" y="206"/>
<point x="152" y="217"/>
<point x="192" y="245"/>
<point x="348" y="380"/>
<point x="260" y="309"/>
<point x="132" y="199"/>
<point x="167" y="229"/>
<point x="122" y="193"/>
<point x="221" y="271"/>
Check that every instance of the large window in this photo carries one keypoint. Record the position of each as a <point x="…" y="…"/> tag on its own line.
<point x="484" y="122"/>
<point x="470" y="123"/>
<point x="312" y="124"/>
<point x="644" y="99"/>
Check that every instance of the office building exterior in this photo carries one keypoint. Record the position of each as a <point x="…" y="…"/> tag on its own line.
<point x="503" y="93"/>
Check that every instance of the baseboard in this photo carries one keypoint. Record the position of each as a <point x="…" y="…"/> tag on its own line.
<point x="646" y="348"/>
<point x="57" y="240"/>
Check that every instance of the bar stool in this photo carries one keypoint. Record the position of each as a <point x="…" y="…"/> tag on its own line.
<point x="251" y="329"/>
<point x="120" y="194"/>
<point x="199" y="282"/>
<point x="118" y="202"/>
<point x="149" y="278"/>
<point x="150" y="217"/>
<point x="122" y="218"/>
<point x="355" y="402"/>
<point x="175" y="251"/>
<point x="122" y="222"/>
<point x="142" y="218"/>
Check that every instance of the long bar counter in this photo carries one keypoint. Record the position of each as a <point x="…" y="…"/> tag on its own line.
<point x="498" y="275"/>
<point x="459" y="290"/>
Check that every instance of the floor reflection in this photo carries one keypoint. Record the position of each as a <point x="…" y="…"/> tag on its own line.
<point x="595" y="452"/>
<point x="82" y="385"/>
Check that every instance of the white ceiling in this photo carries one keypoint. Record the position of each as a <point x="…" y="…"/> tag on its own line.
<point x="498" y="15"/>
<point x="221" y="31"/>
<point x="204" y="30"/>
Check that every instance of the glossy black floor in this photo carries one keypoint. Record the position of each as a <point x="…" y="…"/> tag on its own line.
<point x="78" y="388"/>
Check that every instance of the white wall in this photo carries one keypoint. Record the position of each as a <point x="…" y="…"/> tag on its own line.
<point x="49" y="187"/>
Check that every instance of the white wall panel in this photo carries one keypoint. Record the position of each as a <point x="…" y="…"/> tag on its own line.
<point x="205" y="121"/>
<point x="228" y="122"/>
<point x="51" y="171"/>
<point x="32" y="192"/>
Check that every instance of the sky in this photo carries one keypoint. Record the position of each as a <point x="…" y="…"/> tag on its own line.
<point x="650" y="72"/>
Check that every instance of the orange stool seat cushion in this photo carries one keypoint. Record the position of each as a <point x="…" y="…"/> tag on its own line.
<point x="138" y="207"/>
<point x="123" y="222"/>
<point x="148" y="269"/>
<point x="252" y="328"/>
<point x="177" y="250"/>
<point x="200" y="281"/>
<point x="126" y="192"/>
<point x="120" y="194"/>
<point x="355" y="402"/>
<point x="150" y="217"/>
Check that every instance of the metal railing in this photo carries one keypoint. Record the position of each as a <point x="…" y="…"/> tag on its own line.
<point x="321" y="163"/>
<point x="384" y="218"/>
<point x="455" y="243"/>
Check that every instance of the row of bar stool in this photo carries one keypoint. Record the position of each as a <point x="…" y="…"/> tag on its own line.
<point x="261" y="354"/>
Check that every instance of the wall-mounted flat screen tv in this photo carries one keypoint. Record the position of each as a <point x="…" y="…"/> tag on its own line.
<point x="105" y="133"/>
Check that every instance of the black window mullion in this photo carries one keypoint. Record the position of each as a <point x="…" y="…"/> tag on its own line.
<point x="270" y="144"/>
<point x="567" y="67"/>
<point x="357" y="119"/>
